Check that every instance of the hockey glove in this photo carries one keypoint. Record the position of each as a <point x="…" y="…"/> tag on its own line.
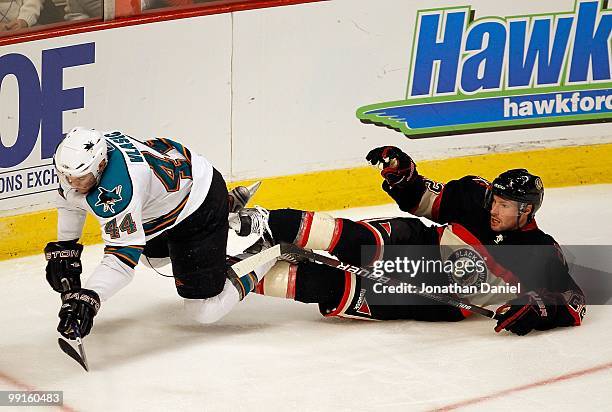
<point x="398" y="169"/>
<point x="78" y="310"/>
<point x="527" y="312"/>
<point x="64" y="262"/>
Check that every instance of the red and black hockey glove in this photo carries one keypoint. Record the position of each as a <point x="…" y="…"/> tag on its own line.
<point x="526" y="313"/>
<point x="398" y="169"/>
<point x="64" y="262"/>
<point x="78" y="310"/>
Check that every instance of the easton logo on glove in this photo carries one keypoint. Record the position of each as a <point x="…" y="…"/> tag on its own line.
<point x="81" y="297"/>
<point x="63" y="254"/>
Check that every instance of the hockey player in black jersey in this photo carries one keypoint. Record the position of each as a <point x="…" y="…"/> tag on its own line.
<point x="494" y="221"/>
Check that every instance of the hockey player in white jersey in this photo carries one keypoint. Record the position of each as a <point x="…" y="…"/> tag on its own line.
<point x="154" y="200"/>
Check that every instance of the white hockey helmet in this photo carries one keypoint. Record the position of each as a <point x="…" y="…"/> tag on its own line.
<point x="80" y="153"/>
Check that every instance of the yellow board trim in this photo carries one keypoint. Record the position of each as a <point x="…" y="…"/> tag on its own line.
<point x="27" y="234"/>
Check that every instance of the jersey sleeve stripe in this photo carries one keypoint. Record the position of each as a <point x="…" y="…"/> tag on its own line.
<point x="435" y="208"/>
<point x="429" y="204"/>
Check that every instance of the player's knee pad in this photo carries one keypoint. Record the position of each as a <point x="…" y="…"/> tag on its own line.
<point x="279" y="281"/>
<point x="312" y="230"/>
<point x="199" y="311"/>
<point x="319" y="231"/>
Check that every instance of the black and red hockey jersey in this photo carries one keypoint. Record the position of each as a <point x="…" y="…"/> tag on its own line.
<point x="528" y="257"/>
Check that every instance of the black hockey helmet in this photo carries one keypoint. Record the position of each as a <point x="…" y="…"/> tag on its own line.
<point x="518" y="185"/>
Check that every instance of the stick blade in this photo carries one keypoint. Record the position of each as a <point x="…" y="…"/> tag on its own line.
<point x="70" y="351"/>
<point x="294" y="254"/>
<point x="249" y="264"/>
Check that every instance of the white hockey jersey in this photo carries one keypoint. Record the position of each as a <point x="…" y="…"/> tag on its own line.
<point x="145" y="189"/>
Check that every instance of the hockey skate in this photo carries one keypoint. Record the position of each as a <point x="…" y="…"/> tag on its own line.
<point x="251" y="221"/>
<point x="240" y="195"/>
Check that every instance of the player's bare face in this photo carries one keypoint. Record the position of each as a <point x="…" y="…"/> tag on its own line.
<point x="503" y="214"/>
<point x="82" y="184"/>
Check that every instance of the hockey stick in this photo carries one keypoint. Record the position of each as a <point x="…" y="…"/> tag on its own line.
<point x="239" y="268"/>
<point x="249" y="264"/>
<point x="66" y="347"/>
<point x="296" y="253"/>
<point x="70" y="351"/>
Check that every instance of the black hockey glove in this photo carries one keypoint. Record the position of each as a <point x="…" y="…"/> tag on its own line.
<point x="527" y="312"/>
<point x="398" y="169"/>
<point x="78" y="307"/>
<point x="64" y="262"/>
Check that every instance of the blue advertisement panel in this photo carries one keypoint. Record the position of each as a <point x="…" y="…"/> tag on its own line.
<point x="473" y="74"/>
<point x="26" y="164"/>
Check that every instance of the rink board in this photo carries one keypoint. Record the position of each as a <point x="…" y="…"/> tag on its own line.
<point x="348" y="188"/>
<point x="263" y="94"/>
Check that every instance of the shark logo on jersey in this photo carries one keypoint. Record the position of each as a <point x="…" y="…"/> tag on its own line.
<point x="108" y="198"/>
<point x="115" y="191"/>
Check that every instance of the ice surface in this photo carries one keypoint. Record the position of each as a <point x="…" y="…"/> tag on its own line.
<point x="273" y="354"/>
